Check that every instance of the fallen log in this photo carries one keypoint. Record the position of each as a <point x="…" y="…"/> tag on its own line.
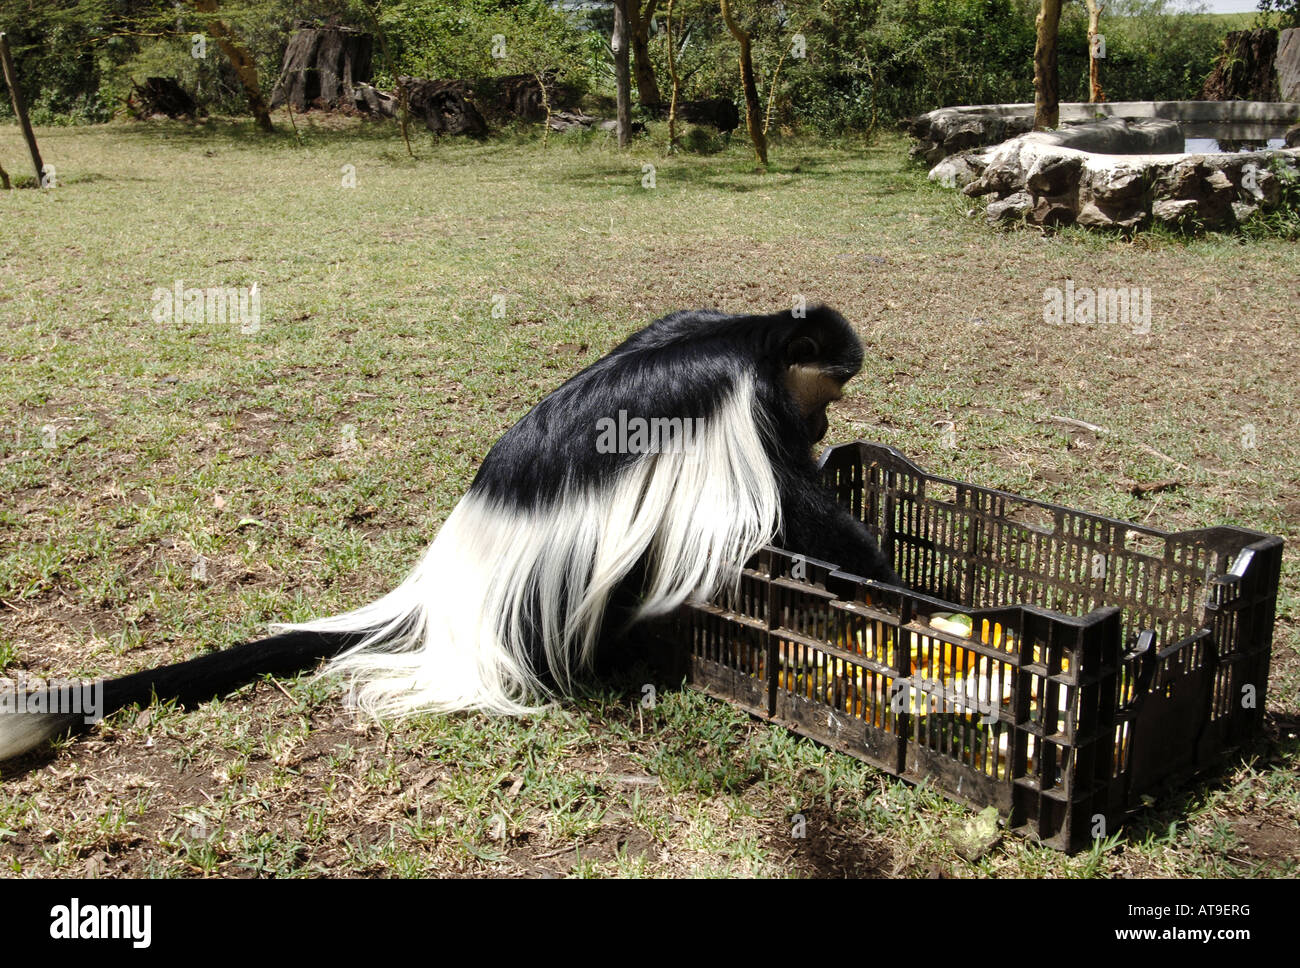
<point x="716" y="112"/>
<point x="161" y="95"/>
<point x="444" y="106"/>
<point x="370" y="100"/>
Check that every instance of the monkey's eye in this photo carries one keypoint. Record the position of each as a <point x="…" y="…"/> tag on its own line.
<point x="802" y="349"/>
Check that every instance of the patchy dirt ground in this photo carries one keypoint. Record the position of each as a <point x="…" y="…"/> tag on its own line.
<point x="306" y="465"/>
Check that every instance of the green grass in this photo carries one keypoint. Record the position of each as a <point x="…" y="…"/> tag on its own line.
<point x="310" y="463"/>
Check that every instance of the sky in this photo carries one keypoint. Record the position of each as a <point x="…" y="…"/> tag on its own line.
<point x="1230" y="6"/>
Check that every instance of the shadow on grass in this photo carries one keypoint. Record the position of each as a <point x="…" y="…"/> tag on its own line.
<point x="1173" y="808"/>
<point x="244" y="133"/>
<point x="589" y="158"/>
<point x="724" y="173"/>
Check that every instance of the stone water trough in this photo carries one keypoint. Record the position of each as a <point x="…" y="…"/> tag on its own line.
<point x="1125" y="170"/>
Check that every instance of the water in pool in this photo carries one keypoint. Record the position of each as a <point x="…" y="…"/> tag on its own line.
<point x="1214" y="138"/>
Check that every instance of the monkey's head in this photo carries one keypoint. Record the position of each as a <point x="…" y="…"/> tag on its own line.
<point x="820" y="355"/>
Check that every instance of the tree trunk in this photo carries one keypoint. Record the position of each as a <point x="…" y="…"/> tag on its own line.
<point x="647" y="87"/>
<point x="676" y="81"/>
<point x="403" y="109"/>
<point x="1095" y="93"/>
<point x="243" y="63"/>
<point x="621" y="76"/>
<point x="753" y="109"/>
<point x="20" y="110"/>
<point x="1047" y="91"/>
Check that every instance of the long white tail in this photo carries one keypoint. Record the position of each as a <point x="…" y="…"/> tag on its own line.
<point x="460" y="632"/>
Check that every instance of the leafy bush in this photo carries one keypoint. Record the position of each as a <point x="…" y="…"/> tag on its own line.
<point x="487" y="38"/>
<point x="865" y="60"/>
<point x="1152" y="53"/>
<point x="887" y="59"/>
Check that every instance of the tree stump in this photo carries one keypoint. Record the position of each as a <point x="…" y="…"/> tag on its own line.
<point x="322" y="66"/>
<point x="1288" y="64"/>
<point x="1244" y="71"/>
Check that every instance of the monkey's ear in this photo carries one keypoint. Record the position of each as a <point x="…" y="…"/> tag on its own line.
<point x="801" y="350"/>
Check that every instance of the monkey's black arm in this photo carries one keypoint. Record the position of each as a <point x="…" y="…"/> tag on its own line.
<point x="816" y="525"/>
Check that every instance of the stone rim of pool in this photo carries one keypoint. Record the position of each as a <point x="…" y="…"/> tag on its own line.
<point x="1124" y="170"/>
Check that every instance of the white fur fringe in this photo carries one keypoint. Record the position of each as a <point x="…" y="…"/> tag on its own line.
<point x="452" y="636"/>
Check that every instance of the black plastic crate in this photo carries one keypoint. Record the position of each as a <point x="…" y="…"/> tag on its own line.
<point x="1107" y="660"/>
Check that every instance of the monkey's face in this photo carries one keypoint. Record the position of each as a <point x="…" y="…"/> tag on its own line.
<point x="813" y="390"/>
<point x="813" y="381"/>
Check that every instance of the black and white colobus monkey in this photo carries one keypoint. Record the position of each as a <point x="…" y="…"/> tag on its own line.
<point x="650" y="477"/>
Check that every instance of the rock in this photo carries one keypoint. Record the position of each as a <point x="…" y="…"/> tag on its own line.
<point x="1093" y="217"/>
<point x="1112" y="185"/>
<point x="947" y="131"/>
<point x="975" y="837"/>
<point x="1046" y="183"/>
<point x="1010" y="208"/>
<point x="1267" y="187"/>
<point x="1054" y="211"/>
<point x="1243" y="211"/>
<point x="1217" y="181"/>
<point x="968" y="134"/>
<point x="1101" y="216"/>
<point x="1182" y="179"/>
<point x="958" y="171"/>
<point x="1257" y="184"/>
<point x="1002" y="176"/>
<point x="918" y="127"/>
<point x="1117" y="136"/>
<point x="1054" y="174"/>
<point x="1171" y="211"/>
<point x="1292" y="137"/>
